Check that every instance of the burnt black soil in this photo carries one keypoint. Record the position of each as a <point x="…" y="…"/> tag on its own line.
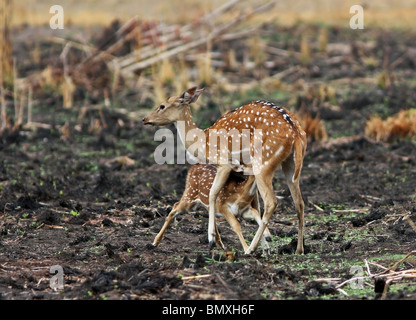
<point x="75" y="200"/>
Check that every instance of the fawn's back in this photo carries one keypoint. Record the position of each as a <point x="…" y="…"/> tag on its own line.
<point x="238" y="189"/>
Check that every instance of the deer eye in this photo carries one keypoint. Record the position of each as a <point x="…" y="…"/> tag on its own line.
<point x="162" y="106"/>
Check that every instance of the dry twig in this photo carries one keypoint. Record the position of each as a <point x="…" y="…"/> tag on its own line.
<point x="214" y="35"/>
<point x="410" y="221"/>
<point x="389" y="275"/>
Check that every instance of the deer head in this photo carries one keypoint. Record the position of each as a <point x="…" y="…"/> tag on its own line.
<point x="173" y="108"/>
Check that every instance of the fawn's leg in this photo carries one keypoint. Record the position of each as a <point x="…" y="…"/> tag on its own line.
<point x="218" y="238"/>
<point x="235" y="225"/>
<point x="178" y="208"/>
<point x="255" y="215"/>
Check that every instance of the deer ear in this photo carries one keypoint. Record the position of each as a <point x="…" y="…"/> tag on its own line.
<point x="191" y="95"/>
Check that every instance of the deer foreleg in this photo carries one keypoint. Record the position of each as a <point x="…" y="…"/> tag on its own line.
<point x="221" y="177"/>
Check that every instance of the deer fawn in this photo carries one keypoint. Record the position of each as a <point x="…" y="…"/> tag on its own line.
<point x="275" y="138"/>
<point x="238" y="198"/>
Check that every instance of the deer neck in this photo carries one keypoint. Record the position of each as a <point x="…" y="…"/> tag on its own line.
<point x="187" y="129"/>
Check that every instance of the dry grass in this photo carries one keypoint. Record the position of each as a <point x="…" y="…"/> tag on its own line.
<point x="204" y="64"/>
<point x="167" y="73"/>
<point x="158" y="88"/>
<point x="327" y="93"/>
<point x="173" y="72"/>
<point x="182" y="81"/>
<point x="313" y="126"/>
<point x="383" y="13"/>
<point x="95" y="12"/>
<point x="257" y="50"/>
<point x="67" y="91"/>
<point x="399" y="126"/>
<point x="323" y="39"/>
<point x="305" y="52"/>
<point x="6" y="68"/>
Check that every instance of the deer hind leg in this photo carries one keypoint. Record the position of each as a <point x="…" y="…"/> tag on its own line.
<point x="178" y="208"/>
<point x="221" y="177"/>
<point x="265" y="186"/>
<point x="288" y="168"/>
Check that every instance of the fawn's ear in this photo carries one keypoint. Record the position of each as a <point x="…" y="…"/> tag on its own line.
<point x="191" y="95"/>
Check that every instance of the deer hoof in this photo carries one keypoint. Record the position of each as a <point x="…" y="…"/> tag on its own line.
<point x="300" y="251"/>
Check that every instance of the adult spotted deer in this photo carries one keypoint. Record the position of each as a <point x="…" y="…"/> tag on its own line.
<point x="274" y="138"/>
<point x="237" y="199"/>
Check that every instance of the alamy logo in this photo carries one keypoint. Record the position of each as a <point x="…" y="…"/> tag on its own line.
<point x="357" y="20"/>
<point x="57" y="20"/>
<point x="57" y="281"/>
<point x="357" y="280"/>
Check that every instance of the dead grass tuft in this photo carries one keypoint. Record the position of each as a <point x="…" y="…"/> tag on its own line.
<point x="305" y="51"/>
<point x="313" y="126"/>
<point x="5" y="42"/>
<point x="399" y="126"/>
<point x="166" y="72"/>
<point x="323" y="39"/>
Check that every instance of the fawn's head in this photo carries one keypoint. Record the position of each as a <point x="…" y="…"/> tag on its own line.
<point x="173" y="108"/>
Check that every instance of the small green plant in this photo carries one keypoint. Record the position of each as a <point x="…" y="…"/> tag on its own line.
<point x="74" y="213"/>
<point x="91" y="167"/>
<point x="35" y="224"/>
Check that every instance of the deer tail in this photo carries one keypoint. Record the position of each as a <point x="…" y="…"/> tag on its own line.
<point x="298" y="154"/>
